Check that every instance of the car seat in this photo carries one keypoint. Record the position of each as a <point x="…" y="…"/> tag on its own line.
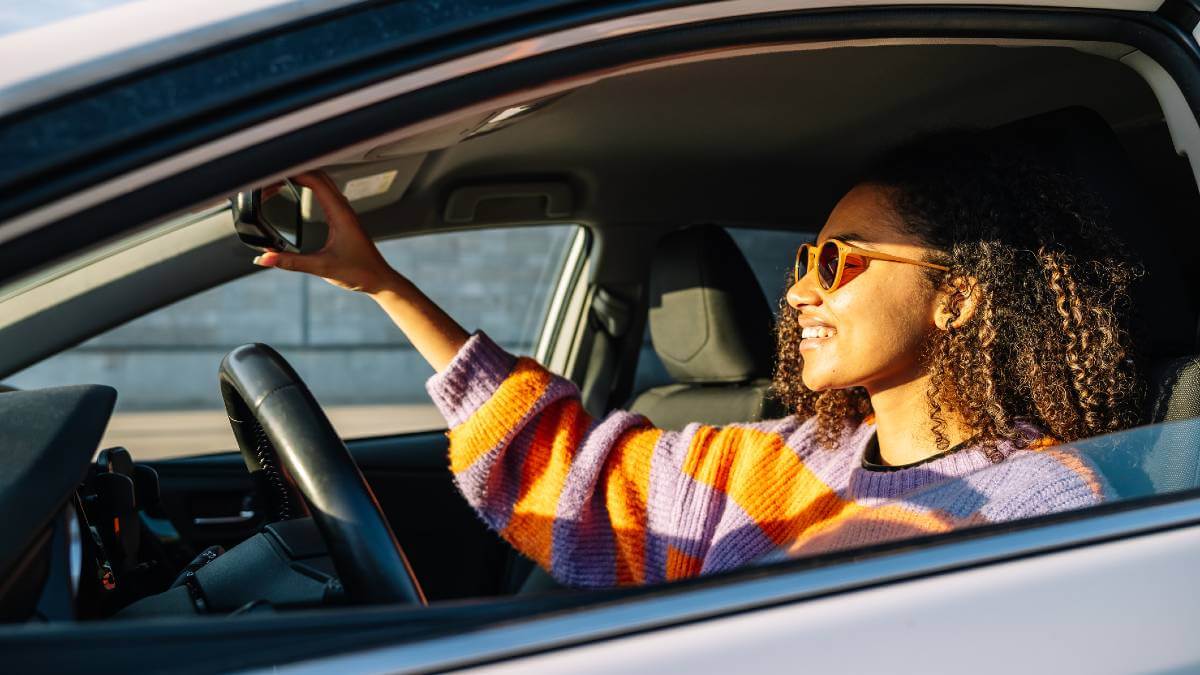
<point x="712" y="328"/>
<point x="1079" y="142"/>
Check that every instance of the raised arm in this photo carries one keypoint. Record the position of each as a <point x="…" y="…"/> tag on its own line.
<point x="565" y="489"/>
<point x="350" y="260"/>
<point x="595" y="502"/>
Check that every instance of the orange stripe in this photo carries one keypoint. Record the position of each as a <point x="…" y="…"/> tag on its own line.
<point x="1043" y="442"/>
<point x="1081" y="468"/>
<point x="487" y="427"/>
<point x="680" y="565"/>
<point x="1072" y="461"/>
<point x="560" y="428"/>
<point x="880" y="521"/>
<point x="764" y="477"/>
<point x="626" y="486"/>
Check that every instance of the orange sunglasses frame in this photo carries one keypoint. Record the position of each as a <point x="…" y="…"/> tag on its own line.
<point x="844" y="251"/>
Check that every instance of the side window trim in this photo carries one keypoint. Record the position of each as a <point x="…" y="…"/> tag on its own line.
<point x="562" y="309"/>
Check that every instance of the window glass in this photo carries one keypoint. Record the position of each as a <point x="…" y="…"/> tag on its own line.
<point x="1141" y="463"/>
<point x="359" y="366"/>
<point x="771" y="254"/>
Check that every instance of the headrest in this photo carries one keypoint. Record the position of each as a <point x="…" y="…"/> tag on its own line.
<point x="1077" y="141"/>
<point x="709" y="319"/>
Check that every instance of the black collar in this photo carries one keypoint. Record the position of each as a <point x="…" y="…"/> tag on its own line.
<point x="873" y="461"/>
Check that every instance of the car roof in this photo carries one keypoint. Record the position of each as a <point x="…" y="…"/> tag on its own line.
<point x="57" y="58"/>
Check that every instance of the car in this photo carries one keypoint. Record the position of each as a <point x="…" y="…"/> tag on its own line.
<point x="561" y="174"/>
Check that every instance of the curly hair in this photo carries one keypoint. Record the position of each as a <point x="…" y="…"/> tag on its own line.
<point x="1048" y="342"/>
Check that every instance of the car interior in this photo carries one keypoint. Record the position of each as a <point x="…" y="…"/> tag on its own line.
<point x="659" y="161"/>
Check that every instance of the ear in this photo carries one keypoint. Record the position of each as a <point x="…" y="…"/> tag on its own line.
<point x="956" y="303"/>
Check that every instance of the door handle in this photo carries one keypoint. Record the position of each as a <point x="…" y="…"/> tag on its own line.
<point x="243" y="516"/>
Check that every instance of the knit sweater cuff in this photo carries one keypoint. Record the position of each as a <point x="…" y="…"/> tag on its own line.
<point x="471" y="378"/>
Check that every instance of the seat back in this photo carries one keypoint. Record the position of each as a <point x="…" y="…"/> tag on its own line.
<point x="712" y="327"/>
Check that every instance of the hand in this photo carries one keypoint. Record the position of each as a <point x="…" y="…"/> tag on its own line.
<point x="349" y="259"/>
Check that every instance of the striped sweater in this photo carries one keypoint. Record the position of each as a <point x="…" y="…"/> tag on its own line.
<point x="602" y="502"/>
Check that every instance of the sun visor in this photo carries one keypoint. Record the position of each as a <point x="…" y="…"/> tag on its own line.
<point x="368" y="185"/>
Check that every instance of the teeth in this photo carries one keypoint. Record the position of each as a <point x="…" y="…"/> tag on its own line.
<point x="817" y="332"/>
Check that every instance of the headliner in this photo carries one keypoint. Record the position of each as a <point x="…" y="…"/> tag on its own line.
<point x="766" y="140"/>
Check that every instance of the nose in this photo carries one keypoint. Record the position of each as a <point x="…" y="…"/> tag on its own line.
<point x="804" y="292"/>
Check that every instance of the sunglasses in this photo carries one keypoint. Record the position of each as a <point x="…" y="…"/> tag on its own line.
<point x="837" y="262"/>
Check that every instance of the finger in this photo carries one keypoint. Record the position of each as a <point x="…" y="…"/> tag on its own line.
<point x="307" y="179"/>
<point x="333" y="202"/>
<point x="291" y="261"/>
<point x="320" y="177"/>
<point x="323" y="187"/>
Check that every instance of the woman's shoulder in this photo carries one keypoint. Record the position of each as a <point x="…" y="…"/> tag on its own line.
<point x="1044" y="475"/>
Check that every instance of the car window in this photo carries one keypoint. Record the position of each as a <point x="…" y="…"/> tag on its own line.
<point x="359" y="366"/>
<point x="770" y="253"/>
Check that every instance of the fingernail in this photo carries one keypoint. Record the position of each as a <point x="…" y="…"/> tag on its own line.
<point x="257" y="260"/>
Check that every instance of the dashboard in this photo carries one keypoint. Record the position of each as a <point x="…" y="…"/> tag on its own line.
<point x="77" y="545"/>
<point x="50" y="436"/>
<point x="72" y="547"/>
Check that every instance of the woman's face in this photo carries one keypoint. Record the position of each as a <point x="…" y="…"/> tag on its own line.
<point x="879" y="322"/>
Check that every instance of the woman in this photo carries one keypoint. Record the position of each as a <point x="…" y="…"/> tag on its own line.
<point x="959" y="313"/>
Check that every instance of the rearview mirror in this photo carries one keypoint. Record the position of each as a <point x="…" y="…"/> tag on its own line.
<point x="269" y="219"/>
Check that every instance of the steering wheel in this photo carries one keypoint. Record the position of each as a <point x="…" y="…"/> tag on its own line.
<point x="303" y="467"/>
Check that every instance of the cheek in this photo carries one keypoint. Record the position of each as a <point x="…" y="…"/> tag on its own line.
<point x="888" y="323"/>
<point x="886" y="328"/>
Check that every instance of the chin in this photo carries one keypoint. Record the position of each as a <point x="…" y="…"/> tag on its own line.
<point x="816" y="382"/>
<point x="824" y="381"/>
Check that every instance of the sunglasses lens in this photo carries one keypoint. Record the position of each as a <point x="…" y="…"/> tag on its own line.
<point x="827" y="264"/>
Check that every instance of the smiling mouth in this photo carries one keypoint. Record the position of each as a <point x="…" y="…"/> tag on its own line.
<point x="817" y="332"/>
<point x="812" y="337"/>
